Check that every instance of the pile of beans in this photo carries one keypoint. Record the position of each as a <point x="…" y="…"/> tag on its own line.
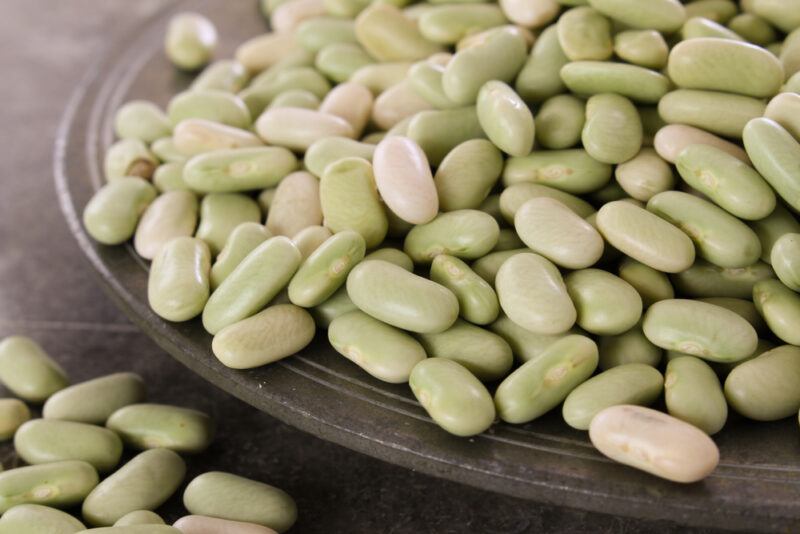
<point x="512" y="207"/>
<point x="73" y="454"/>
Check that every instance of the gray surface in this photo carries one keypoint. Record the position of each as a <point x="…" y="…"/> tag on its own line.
<point x="48" y="291"/>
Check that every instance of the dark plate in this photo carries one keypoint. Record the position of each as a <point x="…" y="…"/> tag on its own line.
<point x="757" y="485"/>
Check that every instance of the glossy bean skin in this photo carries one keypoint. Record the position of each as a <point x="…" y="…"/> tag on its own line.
<point x="58" y="484"/>
<point x="198" y="524"/>
<point x="785" y="259"/>
<point x="631" y="81"/>
<point x="644" y="175"/>
<point x="142" y="120"/>
<point x="409" y="302"/>
<point x="216" y="106"/>
<point x="514" y="196"/>
<point x="706" y="280"/>
<point x="645" y="237"/>
<point x="773" y="227"/>
<point x="236" y="498"/>
<point x="389" y="36"/>
<point x="220" y="214"/>
<point x="542" y="383"/>
<point x="693" y="394"/>
<point x="663" y="15"/>
<point x="488" y="266"/>
<point x="43" y="441"/>
<point x="172" y="214"/>
<point x="633" y="383"/>
<point x="129" y="158"/>
<point x="139" y="517"/>
<point x="766" y="387"/>
<point x="238" y="169"/>
<point x="242" y="240"/>
<point x="525" y="345"/>
<point x="775" y="153"/>
<point x="780" y="307"/>
<point x="439" y="131"/>
<point x="539" y="77"/>
<point x="192" y="137"/>
<point x="467" y="234"/>
<point x="628" y="347"/>
<point x="720" y="113"/>
<point x="37" y="519"/>
<point x="654" y="442"/>
<point x="483" y="353"/>
<point x="270" y="335"/>
<point x="613" y="129"/>
<point x="190" y="41"/>
<point x="144" y="483"/>
<point x="223" y="75"/>
<point x="113" y="212"/>
<point x="572" y="171"/>
<point x="606" y="304"/>
<point x="133" y="529"/>
<point x="670" y="140"/>
<point x="404" y="180"/>
<point x="252" y="284"/>
<point x="385" y="352"/>
<point x="13" y="414"/>
<point x="700" y="329"/>
<point x="467" y="174"/>
<point x="477" y="299"/>
<point x="94" y="400"/>
<point x="178" y="284"/>
<point x="645" y="48"/>
<point x="719" y="237"/>
<point x="585" y="34"/>
<point x="505" y="118"/>
<point x="150" y="426"/>
<point x="784" y="109"/>
<point x="651" y="284"/>
<point x="533" y="294"/>
<point x="297" y="128"/>
<point x="27" y="371"/>
<point x="559" y="122"/>
<point x="452" y="396"/>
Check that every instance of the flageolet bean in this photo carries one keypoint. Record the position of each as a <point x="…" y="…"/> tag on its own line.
<point x="706" y="280"/>
<point x="150" y="426"/>
<point x="585" y="34"/>
<point x="613" y="130"/>
<point x="693" y="394"/>
<point x="57" y="484"/>
<point x="654" y="442"/>
<point x="350" y="101"/>
<point x="209" y="104"/>
<point x="780" y="307"/>
<point x="437" y="132"/>
<point x="718" y="236"/>
<point x="172" y="214"/>
<point x="164" y="149"/>
<point x="37" y="519"/>
<point x="606" y="304"/>
<point x="725" y="65"/>
<point x="631" y="81"/>
<point x="476" y="298"/>
<point x="139" y="517"/>
<point x="541" y="384"/>
<point x="499" y="57"/>
<point x="551" y="229"/>
<point x="773" y="227"/>
<point x="726" y="180"/>
<point x="287" y="16"/>
<point x="515" y="196"/>
<point x="178" y="285"/>
<point x="672" y="139"/>
<point x="448" y="24"/>
<point x="753" y="28"/>
<point x="264" y="51"/>
<point x="425" y="78"/>
<point x="142" y="120"/>
<point x="259" y="95"/>
<point x="700" y="329"/>
<point x="270" y="335"/>
<point x="326" y="269"/>
<point x="483" y="353"/>
<point x="632" y="383"/>
<point x="309" y="239"/>
<point x="651" y="284"/>
<point x="338" y="304"/>
<point x="646" y="48"/>
<point x="339" y="61"/>
<point x="645" y="237"/>
<point x="169" y="177"/>
<point x="242" y="240"/>
<point x="378" y="77"/>
<point x="488" y="266"/>
<point x="720" y="113"/>
<point x="530" y="14"/>
<point x="133" y="529"/>
<point x="766" y="388"/>
<point x="453" y="397"/>
<point x="645" y="175"/>
<point x="467" y="174"/>
<point x="404" y="180"/>
<point x="560" y="121"/>
<point x="315" y="33"/>
<point x="27" y="371"/>
<point x="220" y="214"/>
<point x="94" y="400"/>
<point x="533" y="295"/>
<point x="742" y="307"/>
<point x="525" y="345"/>
<point x="227" y="496"/>
<point x="349" y="200"/>
<point x="572" y="170"/>
<point x="505" y="118"/>
<point x="295" y="98"/>
<point x="144" y="483"/>
<point x="662" y="15"/>
<point x="785" y="110"/>
<point x="539" y="77"/>
<point x="190" y="41"/>
<point x="396" y="104"/>
<point x="252" y="284"/>
<point x="383" y="351"/>
<point x="199" y="524"/>
<point x="44" y="441"/>
<point x="222" y="75"/>
<point x="776" y="155"/>
<point x="783" y="15"/>
<point x="466" y="234"/>
<point x="388" y="35"/>
<point x="13" y="413"/>
<point x="297" y="128"/>
<point x="629" y="347"/>
<point x="113" y="212"/>
<point x="785" y="259"/>
<point x="720" y="11"/>
<point x="296" y="204"/>
<point x="332" y="149"/>
<point x="400" y="298"/>
<point x="195" y="136"/>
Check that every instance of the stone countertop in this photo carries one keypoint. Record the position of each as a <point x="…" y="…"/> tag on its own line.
<point x="49" y="292"/>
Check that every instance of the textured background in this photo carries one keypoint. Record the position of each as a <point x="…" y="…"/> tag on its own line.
<point x="48" y="291"/>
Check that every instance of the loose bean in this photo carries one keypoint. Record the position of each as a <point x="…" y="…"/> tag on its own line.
<point x="141" y="120"/>
<point x="223" y="75"/>
<point x="629" y="347"/>
<point x="645" y="175"/>
<point x="198" y="524"/>
<point x="484" y="354"/>
<point x="775" y="154"/>
<point x="212" y="105"/>
<point x="477" y="300"/>
<point x="13" y="413"/>
<point x="631" y="81"/>
<point x="606" y="304"/>
<point x="539" y="77"/>
<point x="238" y="169"/>
<point x="36" y="519"/>
<point x="672" y="139"/>
<point x="585" y="34"/>
<point x="326" y="269"/>
<point x="467" y="174"/>
<point x="780" y="307"/>
<point x="171" y="215"/>
<point x="573" y="171"/>
<point x="654" y="442"/>
<point x="94" y="400"/>
<point x="785" y="259"/>
<point x="505" y="118"/>
<point x="693" y="394"/>
<point x="178" y="285"/>
<point x="242" y="240"/>
<point x="297" y="129"/>
<point x="44" y="441"/>
<point x="613" y="129"/>
<point x="662" y="15"/>
<point x="404" y="180"/>
<point x="646" y="48"/>
<point x="150" y="426"/>
<point x="139" y="517"/>
<point x="57" y="484"/>
<point x="466" y="234"/>
<point x="27" y="371"/>
<point x="766" y="388"/>
<point x="706" y="280"/>
<point x="438" y="132"/>
<point x="719" y="113"/>
<point x="220" y="214"/>
<point x="190" y="41"/>
<point x="113" y="212"/>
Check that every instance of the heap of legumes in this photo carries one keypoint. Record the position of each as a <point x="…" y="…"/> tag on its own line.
<point x="585" y="188"/>
<point x="75" y="449"/>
